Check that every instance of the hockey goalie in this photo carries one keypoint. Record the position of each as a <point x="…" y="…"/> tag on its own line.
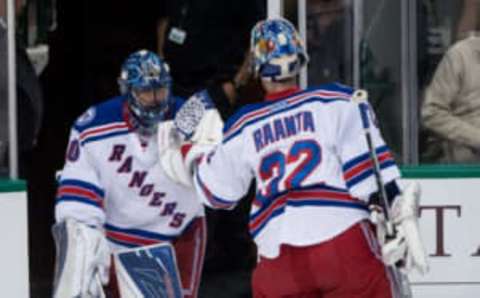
<point x="123" y="227"/>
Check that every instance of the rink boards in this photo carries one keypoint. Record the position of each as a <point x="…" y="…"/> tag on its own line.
<point x="449" y="220"/>
<point x="14" y="281"/>
<point x="450" y="224"/>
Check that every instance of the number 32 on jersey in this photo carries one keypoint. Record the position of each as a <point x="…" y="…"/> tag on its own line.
<point x="281" y="171"/>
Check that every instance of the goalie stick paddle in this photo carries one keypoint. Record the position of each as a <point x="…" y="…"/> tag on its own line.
<point x="360" y="97"/>
<point x="148" y="271"/>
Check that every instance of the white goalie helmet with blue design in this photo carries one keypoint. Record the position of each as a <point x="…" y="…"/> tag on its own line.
<point x="142" y="72"/>
<point x="278" y="50"/>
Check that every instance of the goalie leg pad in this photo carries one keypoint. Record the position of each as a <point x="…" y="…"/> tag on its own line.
<point x="407" y="246"/>
<point x="82" y="260"/>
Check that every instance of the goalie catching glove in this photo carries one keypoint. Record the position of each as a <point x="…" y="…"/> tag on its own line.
<point x="405" y="250"/>
<point x="198" y="128"/>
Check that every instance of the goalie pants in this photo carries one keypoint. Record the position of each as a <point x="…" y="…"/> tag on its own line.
<point x="189" y="251"/>
<point x="347" y="266"/>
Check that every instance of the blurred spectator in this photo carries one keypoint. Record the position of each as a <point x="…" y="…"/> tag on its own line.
<point x="439" y="24"/>
<point x="451" y="109"/>
<point x="468" y="22"/>
<point x="29" y="97"/>
<point x="205" y="40"/>
<point x="329" y="41"/>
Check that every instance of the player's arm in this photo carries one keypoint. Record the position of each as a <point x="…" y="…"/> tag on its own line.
<point x="162" y="25"/>
<point x="79" y="193"/>
<point x="437" y="113"/>
<point x="223" y="177"/>
<point x="363" y="179"/>
<point x="354" y="153"/>
<point x="82" y="251"/>
<point x="224" y="93"/>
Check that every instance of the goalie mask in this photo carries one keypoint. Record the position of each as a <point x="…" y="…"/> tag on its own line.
<point x="145" y="79"/>
<point x="277" y="49"/>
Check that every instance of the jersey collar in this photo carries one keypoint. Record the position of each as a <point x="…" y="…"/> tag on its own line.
<point x="281" y="94"/>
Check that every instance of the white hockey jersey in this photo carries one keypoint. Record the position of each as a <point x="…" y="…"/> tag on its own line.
<point x="112" y="180"/>
<point x="309" y="157"/>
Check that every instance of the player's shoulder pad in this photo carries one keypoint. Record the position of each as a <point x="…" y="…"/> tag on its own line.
<point x="236" y="120"/>
<point x="343" y="91"/>
<point x="106" y="112"/>
<point x="335" y="95"/>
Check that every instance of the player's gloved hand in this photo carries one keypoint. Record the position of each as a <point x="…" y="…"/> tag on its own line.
<point x="198" y="121"/>
<point x="405" y="250"/>
<point x="178" y="162"/>
<point x="377" y="217"/>
<point x="199" y="127"/>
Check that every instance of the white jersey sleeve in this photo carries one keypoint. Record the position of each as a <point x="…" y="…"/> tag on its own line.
<point x="79" y="194"/>
<point x="220" y="180"/>
<point x="358" y="168"/>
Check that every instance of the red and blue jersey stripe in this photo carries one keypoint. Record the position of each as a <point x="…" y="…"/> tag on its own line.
<point x="80" y="191"/>
<point x="104" y="131"/>
<point x="216" y="202"/>
<point x="314" y="196"/>
<point x="361" y="167"/>
<point x="134" y="237"/>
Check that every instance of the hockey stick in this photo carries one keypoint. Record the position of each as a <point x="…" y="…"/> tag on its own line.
<point x="360" y="97"/>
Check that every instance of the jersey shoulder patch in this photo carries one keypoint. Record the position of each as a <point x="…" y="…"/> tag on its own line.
<point x="87" y="117"/>
<point x="109" y="111"/>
